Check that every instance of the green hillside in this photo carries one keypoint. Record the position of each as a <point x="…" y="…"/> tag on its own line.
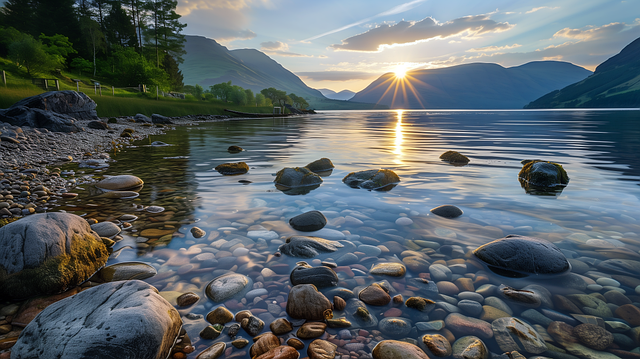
<point x="614" y="84"/>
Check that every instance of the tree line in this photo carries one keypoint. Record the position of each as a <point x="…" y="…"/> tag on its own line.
<point x="226" y="92"/>
<point x="129" y="42"/>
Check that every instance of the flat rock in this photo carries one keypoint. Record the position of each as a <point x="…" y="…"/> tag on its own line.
<point x="437" y="344"/>
<point x="361" y="315"/>
<point x="213" y="352"/>
<point x="47" y="253"/>
<point x="127" y="271"/>
<point x="459" y="323"/>
<point x="308" y="247"/>
<point x="265" y="342"/>
<point x="593" y="336"/>
<point x="227" y="286"/>
<point x="319" y="276"/>
<point x="514" y="334"/>
<point x="374" y="294"/>
<point x="220" y="315"/>
<point x="155" y="118"/>
<point x="447" y="211"/>
<point x="522" y="297"/>
<point x="112" y="320"/>
<point x="311" y="330"/>
<point x="393" y="349"/>
<point x="106" y="229"/>
<point x="321" y="349"/>
<point x="237" y="168"/>
<point x="519" y="256"/>
<point x="305" y="302"/>
<point x="382" y="179"/>
<point x="281" y="326"/>
<point x="388" y="269"/>
<point x="308" y="221"/>
<point x="120" y="183"/>
<point x="396" y="327"/>
<point x="470" y="347"/>
<point x="629" y="313"/>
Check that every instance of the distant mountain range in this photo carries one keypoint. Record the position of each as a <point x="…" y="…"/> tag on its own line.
<point x="615" y="83"/>
<point x="472" y="86"/>
<point x="343" y="95"/>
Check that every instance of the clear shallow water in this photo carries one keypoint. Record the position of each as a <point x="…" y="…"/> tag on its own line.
<point x="594" y="217"/>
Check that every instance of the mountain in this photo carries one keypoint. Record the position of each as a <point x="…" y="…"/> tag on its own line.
<point x="472" y="86"/>
<point x="343" y="95"/>
<point x="615" y="83"/>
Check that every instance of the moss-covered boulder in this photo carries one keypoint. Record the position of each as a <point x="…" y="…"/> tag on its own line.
<point x="455" y="158"/>
<point x="540" y="177"/>
<point x="237" y="168"/>
<point x="380" y="180"/>
<point x="234" y="149"/>
<point x="47" y="253"/>
<point x="323" y="166"/>
<point x="297" y="180"/>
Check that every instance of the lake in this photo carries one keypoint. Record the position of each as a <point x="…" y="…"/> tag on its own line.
<point x="593" y="219"/>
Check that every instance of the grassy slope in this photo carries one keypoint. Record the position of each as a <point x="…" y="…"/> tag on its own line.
<point x="124" y="103"/>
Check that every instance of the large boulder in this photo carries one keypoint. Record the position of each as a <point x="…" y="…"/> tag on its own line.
<point x="37" y="118"/>
<point x="47" y="253"/>
<point x="381" y="180"/>
<point x="75" y="104"/>
<point x="302" y="178"/>
<point x="155" y="118"/>
<point x="538" y="177"/>
<point x="520" y="256"/>
<point x="126" y="319"/>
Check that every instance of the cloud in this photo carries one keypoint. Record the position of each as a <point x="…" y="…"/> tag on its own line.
<point x="186" y="7"/>
<point x="222" y="20"/>
<point x="494" y="48"/>
<point x="338" y="75"/>
<point x="393" y="11"/>
<point x="541" y="8"/>
<point x="591" y="33"/>
<point x="279" y="48"/>
<point x="408" y="32"/>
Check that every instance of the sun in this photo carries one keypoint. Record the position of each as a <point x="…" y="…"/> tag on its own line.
<point x="400" y="72"/>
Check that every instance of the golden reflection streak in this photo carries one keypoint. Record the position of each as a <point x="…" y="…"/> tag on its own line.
<point x="398" y="141"/>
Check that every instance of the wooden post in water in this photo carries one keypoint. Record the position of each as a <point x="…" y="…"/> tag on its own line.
<point x="4" y="78"/>
<point x="57" y="85"/>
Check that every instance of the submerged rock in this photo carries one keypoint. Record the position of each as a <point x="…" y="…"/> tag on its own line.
<point x="389" y="269"/>
<point x="455" y="158"/>
<point x="380" y="180"/>
<point x="232" y="168"/>
<point x="321" y="276"/>
<point x="120" y="183"/>
<point x="322" y="165"/>
<point x="292" y="177"/>
<point x="227" y="286"/>
<point x="305" y="302"/>
<point x="447" y="211"/>
<point x="113" y="320"/>
<point x="542" y="177"/>
<point x="394" y="349"/>
<point x="234" y="149"/>
<point x="308" y="221"/>
<point x="520" y="256"/>
<point x="127" y="271"/>
<point x="308" y="247"/>
<point x="47" y="253"/>
<point x="514" y="334"/>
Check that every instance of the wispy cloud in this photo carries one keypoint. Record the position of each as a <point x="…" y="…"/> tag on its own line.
<point x="185" y="7"/>
<point x="494" y="48"/>
<point x="408" y="32"/>
<point x="279" y="48"/>
<point x="591" y="33"/>
<point x="541" y="8"/>
<point x="338" y="75"/>
<point x="393" y="11"/>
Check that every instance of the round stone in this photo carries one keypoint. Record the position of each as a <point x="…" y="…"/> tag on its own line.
<point x="226" y="286"/>
<point x="232" y="168"/>
<point x="470" y="347"/>
<point x="459" y="323"/>
<point x="608" y="282"/>
<point x="512" y="334"/>
<point x="305" y="302"/>
<point x="120" y="183"/>
<point x="319" y="276"/>
<point x="393" y="349"/>
<point x="106" y="229"/>
<point x="311" y="330"/>
<point x="281" y="326"/>
<point x="187" y="299"/>
<point x="390" y="269"/>
<point x="447" y="211"/>
<point x="198" y="232"/>
<point x="374" y="295"/>
<point x="308" y="221"/>
<point x="321" y="349"/>
<point x="395" y="326"/>
<point x="470" y="307"/>
<point x="220" y="315"/>
<point x="127" y="271"/>
<point x="404" y="221"/>
<point x="440" y="272"/>
<point x="593" y="336"/>
<point x="437" y="345"/>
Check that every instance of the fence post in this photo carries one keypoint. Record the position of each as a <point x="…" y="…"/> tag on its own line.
<point x="95" y="89"/>
<point x="156" y="92"/>
<point x="77" y="86"/>
<point x="57" y="85"/>
<point x="113" y="91"/>
<point x="46" y="84"/>
<point x="4" y="78"/>
<point x="100" y="87"/>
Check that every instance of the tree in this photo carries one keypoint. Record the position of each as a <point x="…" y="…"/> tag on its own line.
<point x="30" y="53"/>
<point x="118" y="27"/>
<point x="81" y="65"/>
<point x="199" y="91"/>
<point x="7" y="37"/>
<point x="20" y="15"/>
<point x="165" y="29"/>
<point x="238" y="95"/>
<point x="58" y="46"/>
<point x="298" y="101"/>
<point x="170" y="66"/>
<point x="259" y="99"/>
<point x="222" y="91"/>
<point x="276" y="96"/>
<point x="93" y="37"/>
<point x="250" y="98"/>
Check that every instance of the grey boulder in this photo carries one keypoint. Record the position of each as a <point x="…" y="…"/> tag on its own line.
<point x="37" y="118"/>
<point x="155" y="118"/>
<point x="74" y="104"/>
<point x="126" y="319"/>
<point x="381" y="180"/>
<point x="141" y="118"/>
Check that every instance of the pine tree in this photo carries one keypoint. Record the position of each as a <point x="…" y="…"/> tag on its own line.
<point x="19" y="14"/>
<point x="118" y="27"/>
<point x="170" y="66"/>
<point x="165" y="29"/>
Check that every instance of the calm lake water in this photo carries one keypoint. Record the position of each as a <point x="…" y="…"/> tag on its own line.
<point x="596" y="217"/>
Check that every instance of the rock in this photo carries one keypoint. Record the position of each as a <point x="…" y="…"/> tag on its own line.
<point x="519" y="256"/>
<point x="629" y="313"/>
<point x="120" y="183"/>
<point x="252" y="325"/>
<point x="155" y="118"/>
<point x="211" y="332"/>
<point x="339" y="303"/>
<point x="106" y="229"/>
<point x="470" y="347"/>
<point x="321" y="349"/>
<point x="220" y="315"/>
<point x="187" y="299"/>
<point x="525" y="298"/>
<point x="308" y="247"/>
<point x="591" y="305"/>
<point x="265" y="342"/>
<point x="454" y="157"/>
<point x="562" y="334"/>
<point x="425" y="287"/>
<point x="127" y="271"/>
<point x="358" y="310"/>
<point x="395" y="326"/>
<point x="228" y="285"/>
<point x="37" y="118"/>
<point x="281" y="326"/>
<point x="620" y="266"/>
<point x="470" y="307"/>
<point x="119" y="194"/>
<point x="311" y="330"/>
<point x="112" y="320"/>
<point x="319" y="276"/>
<point x="235" y="149"/>
<point x="440" y="272"/>
<point x="389" y="269"/>
<point x="197" y="232"/>
<point x="593" y="336"/>
<point x="437" y="345"/>
<point x="308" y="221"/>
<point x="421" y="304"/>
<point x="381" y="180"/>
<point x="140" y="118"/>
<point x="514" y="334"/>
<point x="430" y="326"/>
<point x="74" y="104"/>
<point x="213" y="352"/>
<point x="47" y="253"/>
<point x="231" y="169"/>
<point x="393" y="349"/>
<point x="305" y="302"/>
<point x="98" y="125"/>
<point x="240" y="343"/>
<point x="321" y="165"/>
<point x="295" y="343"/>
<point x="338" y="323"/>
<point x="293" y="177"/>
<point x="459" y="323"/>
<point x="447" y="211"/>
<point x="374" y="295"/>
<point x="542" y="174"/>
<point x="281" y="352"/>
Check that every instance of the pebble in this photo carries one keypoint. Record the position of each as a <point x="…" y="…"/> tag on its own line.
<point x="404" y="221"/>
